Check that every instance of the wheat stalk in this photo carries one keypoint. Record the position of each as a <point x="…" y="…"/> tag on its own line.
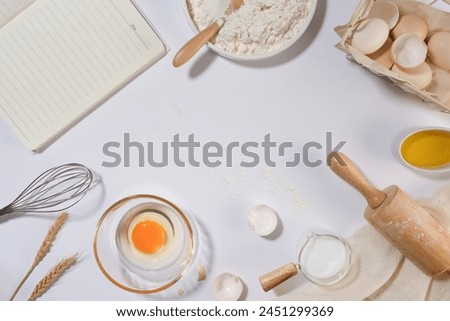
<point x="50" y="237"/>
<point x="44" y="248"/>
<point x="52" y="276"/>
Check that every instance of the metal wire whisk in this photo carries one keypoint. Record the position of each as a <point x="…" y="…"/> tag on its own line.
<point x="55" y="190"/>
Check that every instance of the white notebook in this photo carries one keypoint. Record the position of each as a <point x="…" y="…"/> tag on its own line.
<point x="59" y="59"/>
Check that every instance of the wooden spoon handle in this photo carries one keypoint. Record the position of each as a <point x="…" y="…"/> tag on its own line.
<point x="270" y="280"/>
<point x="193" y="46"/>
<point x="347" y="170"/>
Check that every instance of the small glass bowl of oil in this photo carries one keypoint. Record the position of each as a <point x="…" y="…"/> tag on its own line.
<point x="426" y="150"/>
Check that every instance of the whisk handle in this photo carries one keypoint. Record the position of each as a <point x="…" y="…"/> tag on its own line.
<point x="5" y="210"/>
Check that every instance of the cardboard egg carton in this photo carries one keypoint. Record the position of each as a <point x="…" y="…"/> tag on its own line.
<point x="437" y="92"/>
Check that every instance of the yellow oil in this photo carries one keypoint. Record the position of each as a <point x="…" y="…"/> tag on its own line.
<point x="428" y="149"/>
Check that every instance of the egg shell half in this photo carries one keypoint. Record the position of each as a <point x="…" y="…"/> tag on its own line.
<point x="383" y="55"/>
<point x="410" y="24"/>
<point x="370" y="35"/>
<point x="408" y="51"/>
<point x="385" y="10"/>
<point x="227" y="287"/>
<point x="262" y="219"/>
<point x="420" y="77"/>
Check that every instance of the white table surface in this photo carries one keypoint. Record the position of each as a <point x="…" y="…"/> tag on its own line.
<point x="297" y="97"/>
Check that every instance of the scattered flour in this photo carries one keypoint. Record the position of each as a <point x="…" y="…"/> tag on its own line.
<point x="258" y="27"/>
<point x="234" y="185"/>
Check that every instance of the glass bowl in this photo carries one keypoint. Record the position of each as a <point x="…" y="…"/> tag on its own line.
<point x="324" y="259"/>
<point x="129" y="268"/>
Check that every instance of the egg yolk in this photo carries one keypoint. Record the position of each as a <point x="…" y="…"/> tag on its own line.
<point x="148" y="237"/>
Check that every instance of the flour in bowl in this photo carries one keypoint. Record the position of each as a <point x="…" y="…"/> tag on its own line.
<point x="257" y="28"/>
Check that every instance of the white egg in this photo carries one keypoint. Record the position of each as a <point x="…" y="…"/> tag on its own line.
<point x="385" y="10"/>
<point x="262" y="219"/>
<point x="439" y="49"/>
<point x="370" y="35"/>
<point x="408" y="51"/>
<point x="227" y="287"/>
<point x="420" y="77"/>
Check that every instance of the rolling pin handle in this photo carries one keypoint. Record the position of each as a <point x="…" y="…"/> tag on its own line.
<point x="347" y="170"/>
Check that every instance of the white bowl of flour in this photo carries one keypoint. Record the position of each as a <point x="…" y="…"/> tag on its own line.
<point x="257" y="30"/>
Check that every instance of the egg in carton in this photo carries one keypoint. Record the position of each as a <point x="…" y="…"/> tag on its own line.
<point x="406" y="41"/>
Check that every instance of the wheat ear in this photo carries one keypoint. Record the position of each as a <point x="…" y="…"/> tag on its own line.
<point x="52" y="276"/>
<point x="44" y="249"/>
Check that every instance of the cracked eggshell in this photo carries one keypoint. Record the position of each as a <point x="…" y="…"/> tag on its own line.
<point x="370" y="35"/>
<point x="420" y="77"/>
<point x="408" y="51"/>
<point x="201" y="273"/>
<point x="262" y="219"/>
<point x="439" y="49"/>
<point x="385" y="10"/>
<point x="227" y="287"/>
<point x="410" y="24"/>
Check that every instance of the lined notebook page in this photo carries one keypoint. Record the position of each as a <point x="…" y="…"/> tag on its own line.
<point x="11" y="8"/>
<point x="60" y="58"/>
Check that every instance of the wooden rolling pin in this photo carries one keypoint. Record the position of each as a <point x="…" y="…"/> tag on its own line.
<point x="402" y="221"/>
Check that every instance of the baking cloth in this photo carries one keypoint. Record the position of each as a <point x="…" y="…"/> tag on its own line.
<point x="379" y="271"/>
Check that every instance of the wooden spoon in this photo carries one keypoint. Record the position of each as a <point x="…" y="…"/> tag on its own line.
<point x="193" y="46"/>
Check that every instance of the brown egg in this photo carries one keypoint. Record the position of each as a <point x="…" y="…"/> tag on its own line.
<point x="410" y="24"/>
<point x="439" y="49"/>
<point x="383" y="55"/>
